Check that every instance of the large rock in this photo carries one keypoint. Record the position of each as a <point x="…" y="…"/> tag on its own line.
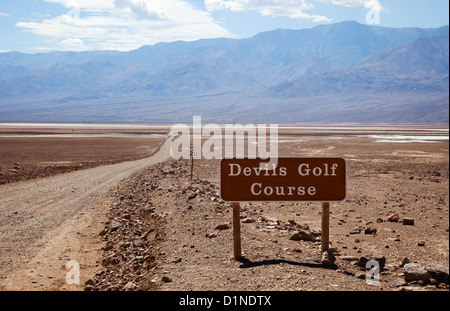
<point x="368" y="257"/>
<point x="415" y="272"/>
<point x="303" y="236"/>
<point x="438" y="272"/>
<point x="328" y="258"/>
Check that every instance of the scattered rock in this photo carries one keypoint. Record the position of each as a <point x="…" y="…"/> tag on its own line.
<point x="303" y="236"/>
<point x="355" y="230"/>
<point x="405" y="261"/>
<point x="270" y="221"/>
<point x="223" y="227"/>
<point x="415" y="272"/>
<point x="360" y="275"/>
<point x="294" y="250"/>
<point x="421" y="243"/>
<point x="394" y="218"/>
<point x="438" y="272"/>
<point x="166" y="279"/>
<point x="408" y="221"/>
<point x="334" y="251"/>
<point x="400" y="282"/>
<point x="115" y="226"/>
<point x="248" y="220"/>
<point x="130" y="286"/>
<point x="370" y="230"/>
<point x="328" y="258"/>
<point x="368" y="257"/>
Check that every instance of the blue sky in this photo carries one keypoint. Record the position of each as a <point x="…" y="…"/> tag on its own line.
<point x="33" y="26"/>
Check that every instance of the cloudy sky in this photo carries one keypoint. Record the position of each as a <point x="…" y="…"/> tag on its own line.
<point x="34" y="26"/>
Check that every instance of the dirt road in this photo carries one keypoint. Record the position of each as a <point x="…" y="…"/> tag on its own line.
<point x="46" y="222"/>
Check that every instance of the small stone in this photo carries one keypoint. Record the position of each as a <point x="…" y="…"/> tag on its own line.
<point x="369" y="257"/>
<point x="394" y="218"/>
<point x="303" y="236"/>
<point x="355" y="231"/>
<point x="130" y="286"/>
<point x="328" y="258"/>
<point x="405" y="261"/>
<point x="223" y="227"/>
<point x="415" y="272"/>
<point x="166" y="279"/>
<point x="248" y="220"/>
<point x="293" y="250"/>
<point x="89" y="282"/>
<point x="115" y="225"/>
<point x="334" y="251"/>
<point x="408" y="221"/>
<point x="360" y="275"/>
<point x="211" y="235"/>
<point x="400" y="282"/>
<point x="370" y="230"/>
<point x="421" y="243"/>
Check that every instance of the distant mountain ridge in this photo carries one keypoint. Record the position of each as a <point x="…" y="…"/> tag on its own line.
<point x="275" y="68"/>
<point x="420" y="66"/>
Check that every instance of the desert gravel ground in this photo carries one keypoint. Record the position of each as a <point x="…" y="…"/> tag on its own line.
<point x="46" y="222"/>
<point x="145" y="225"/>
<point x="191" y="242"/>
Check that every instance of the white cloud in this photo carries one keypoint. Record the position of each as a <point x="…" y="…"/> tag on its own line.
<point x="4" y="14"/>
<point x="285" y="8"/>
<point x="125" y="24"/>
<point x="373" y="5"/>
<point x="74" y="44"/>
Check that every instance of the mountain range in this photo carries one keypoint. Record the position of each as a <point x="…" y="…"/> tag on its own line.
<point x="345" y="72"/>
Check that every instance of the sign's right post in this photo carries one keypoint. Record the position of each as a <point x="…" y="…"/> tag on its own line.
<point x="325" y="238"/>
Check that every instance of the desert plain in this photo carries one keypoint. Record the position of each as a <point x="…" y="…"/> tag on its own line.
<point x="112" y="199"/>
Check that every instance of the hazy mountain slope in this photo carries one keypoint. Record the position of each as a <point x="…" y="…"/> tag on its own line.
<point x="268" y="58"/>
<point x="420" y="66"/>
<point x="344" y="72"/>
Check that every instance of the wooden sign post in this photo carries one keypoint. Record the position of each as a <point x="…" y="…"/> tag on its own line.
<point x="325" y="238"/>
<point x="291" y="180"/>
<point x="237" y="230"/>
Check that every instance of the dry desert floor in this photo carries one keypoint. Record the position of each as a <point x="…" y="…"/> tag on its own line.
<point x="113" y="201"/>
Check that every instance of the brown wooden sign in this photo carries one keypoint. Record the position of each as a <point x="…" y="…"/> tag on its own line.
<point x="293" y="179"/>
